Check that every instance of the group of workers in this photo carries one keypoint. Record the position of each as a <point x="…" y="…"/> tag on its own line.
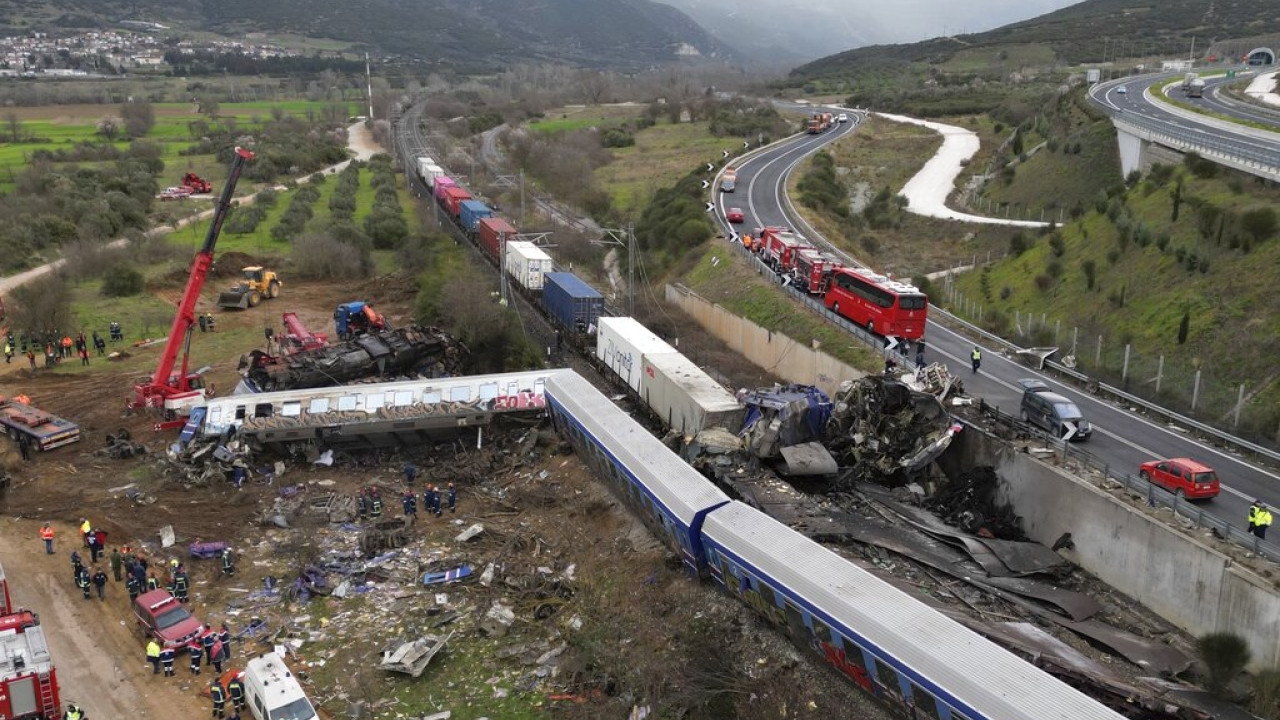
<point x="434" y="500"/>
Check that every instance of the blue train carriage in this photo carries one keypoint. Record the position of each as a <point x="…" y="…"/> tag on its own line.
<point x="672" y="498"/>
<point x="903" y="652"/>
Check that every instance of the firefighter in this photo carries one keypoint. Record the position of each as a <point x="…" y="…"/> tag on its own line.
<point x="453" y="498"/>
<point x="82" y="581"/>
<point x="410" y="473"/>
<point x="153" y="583"/>
<point x="91" y="540"/>
<point x="153" y="656"/>
<point x="100" y="583"/>
<point x="224" y="636"/>
<point x="235" y="688"/>
<point x="219" y="697"/>
<point x="167" y="656"/>
<point x="375" y="503"/>
<point x="410" y="501"/>
<point x="228" y="563"/>
<point x="76" y="564"/>
<point x="362" y="503"/>
<point x="207" y="640"/>
<point x="430" y="498"/>
<point x="218" y="654"/>
<point x="195" y="653"/>
<point x="210" y="321"/>
<point x="131" y="584"/>
<point x="181" y="585"/>
<point x="204" y="324"/>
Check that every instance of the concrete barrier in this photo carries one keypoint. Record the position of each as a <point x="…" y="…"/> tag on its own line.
<point x="791" y="360"/>
<point x="1187" y="582"/>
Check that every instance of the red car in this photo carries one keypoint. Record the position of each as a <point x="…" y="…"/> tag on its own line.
<point x="1183" y="476"/>
<point x="161" y="616"/>
<point x="735" y="215"/>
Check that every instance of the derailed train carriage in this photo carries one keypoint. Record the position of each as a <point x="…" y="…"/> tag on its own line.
<point x="904" y="653"/>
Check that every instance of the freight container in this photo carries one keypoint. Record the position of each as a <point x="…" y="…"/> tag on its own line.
<point x="686" y="398"/>
<point x="573" y="303"/>
<point x="471" y="212"/>
<point x="453" y="197"/>
<point x="444" y="182"/>
<point x="424" y="162"/>
<point x="622" y="343"/>
<point x="527" y="263"/>
<point x="431" y="173"/>
<point x="492" y="232"/>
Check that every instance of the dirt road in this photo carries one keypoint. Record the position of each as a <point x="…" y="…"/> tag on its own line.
<point x="99" y="656"/>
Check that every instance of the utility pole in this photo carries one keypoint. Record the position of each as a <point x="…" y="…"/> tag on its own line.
<point x="368" y="84"/>
<point x="624" y="238"/>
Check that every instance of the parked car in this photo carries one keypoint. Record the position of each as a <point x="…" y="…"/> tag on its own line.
<point x="843" y="118"/>
<point x="1051" y="411"/>
<point x="1182" y="476"/>
<point x="735" y="215"/>
<point x="176" y="193"/>
<point x="162" y="617"/>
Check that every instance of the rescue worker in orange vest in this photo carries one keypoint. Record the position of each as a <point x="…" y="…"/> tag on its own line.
<point x="46" y="534"/>
<point x="66" y="346"/>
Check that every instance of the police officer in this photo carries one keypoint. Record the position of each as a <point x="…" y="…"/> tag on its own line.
<point x="362" y="503"/>
<point x="73" y="712"/>
<point x="976" y="358"/>
<point x="1262" y="521"/>
<point x="153" y="583"/>
<point x="410" y="501"/>
<point x="131" y="585"/>
<point x="453" y="498"/>
<point x="375" y="503"/>
<point x="82" y="581"/>
<point x="195" y="653"/>
<point x="219" y="697"/>
<point x="235" y="688"/>
<point x="1253" y="517"/>
<point x="228" y="562"/>
<point x="167" y="656"/>
<point x="153" y="656"/>
<point x="100" y="583"/>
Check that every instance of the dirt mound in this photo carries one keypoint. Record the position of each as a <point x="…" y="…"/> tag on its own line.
<point x="229" y="264"/>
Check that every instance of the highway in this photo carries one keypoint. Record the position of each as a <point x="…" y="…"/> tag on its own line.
<point x="1121" y="439"/>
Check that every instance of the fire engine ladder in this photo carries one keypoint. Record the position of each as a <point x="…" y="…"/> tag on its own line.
<point x="46" y="693"/>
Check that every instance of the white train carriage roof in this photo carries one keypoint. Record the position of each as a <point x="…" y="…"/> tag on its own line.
<point x="681" y="489"/>
<point x="945" y="657"/>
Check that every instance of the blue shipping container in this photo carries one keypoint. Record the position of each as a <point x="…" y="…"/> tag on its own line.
<point x="472" y="212"/>
<point x="572" y="302"/>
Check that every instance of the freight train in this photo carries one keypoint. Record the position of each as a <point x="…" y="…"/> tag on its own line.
<point x="864" y="297"/>
<point x="906" y="654"/>
<point x="678" y="392"/>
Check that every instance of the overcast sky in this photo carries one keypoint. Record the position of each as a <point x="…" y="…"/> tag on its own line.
<point x="821" y="27"/>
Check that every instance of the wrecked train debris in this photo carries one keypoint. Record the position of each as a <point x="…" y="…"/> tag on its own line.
<point x="415" y="349"/>
<point x="885" y="431"/>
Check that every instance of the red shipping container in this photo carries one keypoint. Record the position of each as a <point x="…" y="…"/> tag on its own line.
<point x="453" y="197"/>
<point x="493" y="232"/>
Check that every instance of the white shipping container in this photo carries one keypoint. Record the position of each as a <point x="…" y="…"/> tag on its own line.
<point x="423" y="163"/>
<point x="686" y="398"/>
<point x="430" y="173"/>
<point x="526" y="263"/>
<point x="622" y="343"/>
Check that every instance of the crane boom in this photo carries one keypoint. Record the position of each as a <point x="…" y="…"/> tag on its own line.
<point x="164" y="387"/>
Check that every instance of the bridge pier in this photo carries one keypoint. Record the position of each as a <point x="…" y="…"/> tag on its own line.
<point x="1133" y="151"/>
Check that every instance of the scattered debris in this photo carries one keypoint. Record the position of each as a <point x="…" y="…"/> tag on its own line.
<point x="448" y="576"/>
<point x="469" y="533"/>
<point x="498" y="620"/>
<point x="413" y="656"/>
<point x="885" y="431"/>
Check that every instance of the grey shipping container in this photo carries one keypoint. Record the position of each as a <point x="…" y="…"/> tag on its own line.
<point x="573" y="303"/>
<point x="686" y="398"/>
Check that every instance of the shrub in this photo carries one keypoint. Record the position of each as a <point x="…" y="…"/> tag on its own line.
<point x="122" y="281"/>
<point x="1259" y="223"/>
<point x="1054" y="268"/>
<point x="1017" y="244"/>
<point x="1090" y="269"/>
<point x="1043" y="282"/>
<point x="322" y="257"/>
<point x="1057" y="244"/>
<point x="1224" y="656"/>
<point x="1184" y="326"/>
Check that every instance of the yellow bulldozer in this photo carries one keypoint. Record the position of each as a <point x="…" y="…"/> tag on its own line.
<point x="256" y="284"/>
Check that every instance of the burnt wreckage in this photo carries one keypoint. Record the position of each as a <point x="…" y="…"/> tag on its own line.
<point x="414" y="349"/>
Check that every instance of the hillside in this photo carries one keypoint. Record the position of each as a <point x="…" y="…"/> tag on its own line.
<point x="481" y="34"/>
<point x="1081" y="33"/>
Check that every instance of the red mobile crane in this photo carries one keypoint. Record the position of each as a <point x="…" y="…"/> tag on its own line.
<point x="182" y="390"/>
<point x="298" y="338"/>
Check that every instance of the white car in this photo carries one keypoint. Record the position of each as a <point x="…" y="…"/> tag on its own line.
<point x="1122" y="90"/>
<point x="843" y="118"/>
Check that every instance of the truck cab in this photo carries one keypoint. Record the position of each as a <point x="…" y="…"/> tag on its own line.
<point x="273" y="693"/>
<point x="162" y="617"/>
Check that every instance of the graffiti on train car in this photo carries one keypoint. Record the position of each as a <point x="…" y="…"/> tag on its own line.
<point x="842" y="662"/>
<point x="526" y="400"/>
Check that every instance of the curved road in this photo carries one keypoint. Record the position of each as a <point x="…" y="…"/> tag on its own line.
<point x="1122" y="439"/>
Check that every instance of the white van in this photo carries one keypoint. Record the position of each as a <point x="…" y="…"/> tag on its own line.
<point x="273" y="693"/>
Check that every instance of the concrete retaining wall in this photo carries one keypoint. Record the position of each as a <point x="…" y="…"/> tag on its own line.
<point x="779" y="354"/>
<point x="1184" y="581"/>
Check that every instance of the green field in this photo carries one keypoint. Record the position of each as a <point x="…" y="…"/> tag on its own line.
<point x="581" y="117"/>
<point x="662" y="155"/>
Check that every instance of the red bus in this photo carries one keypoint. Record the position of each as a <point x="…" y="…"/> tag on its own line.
<point x="881" y="305"/>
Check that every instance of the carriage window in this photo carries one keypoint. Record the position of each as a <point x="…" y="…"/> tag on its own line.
<point x="853" y="653"/>
<point x="404" y="398"/>
<point x="239" y="412"/>
<point x="374" y="401"/>
<point x="318" y="405"/>
<point x="459" y="394"/>
<point x="926" y="705"/>
<point x="292" y="408"/>
<point x="821" y="630"/>
<point x="431" y="397"/>
<point x="488" y="391"/>
<point x="215" y="416"/>
<point x="348" y="402"/>
<point x="888" y="678"/>
<point x="263" y="410"/>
